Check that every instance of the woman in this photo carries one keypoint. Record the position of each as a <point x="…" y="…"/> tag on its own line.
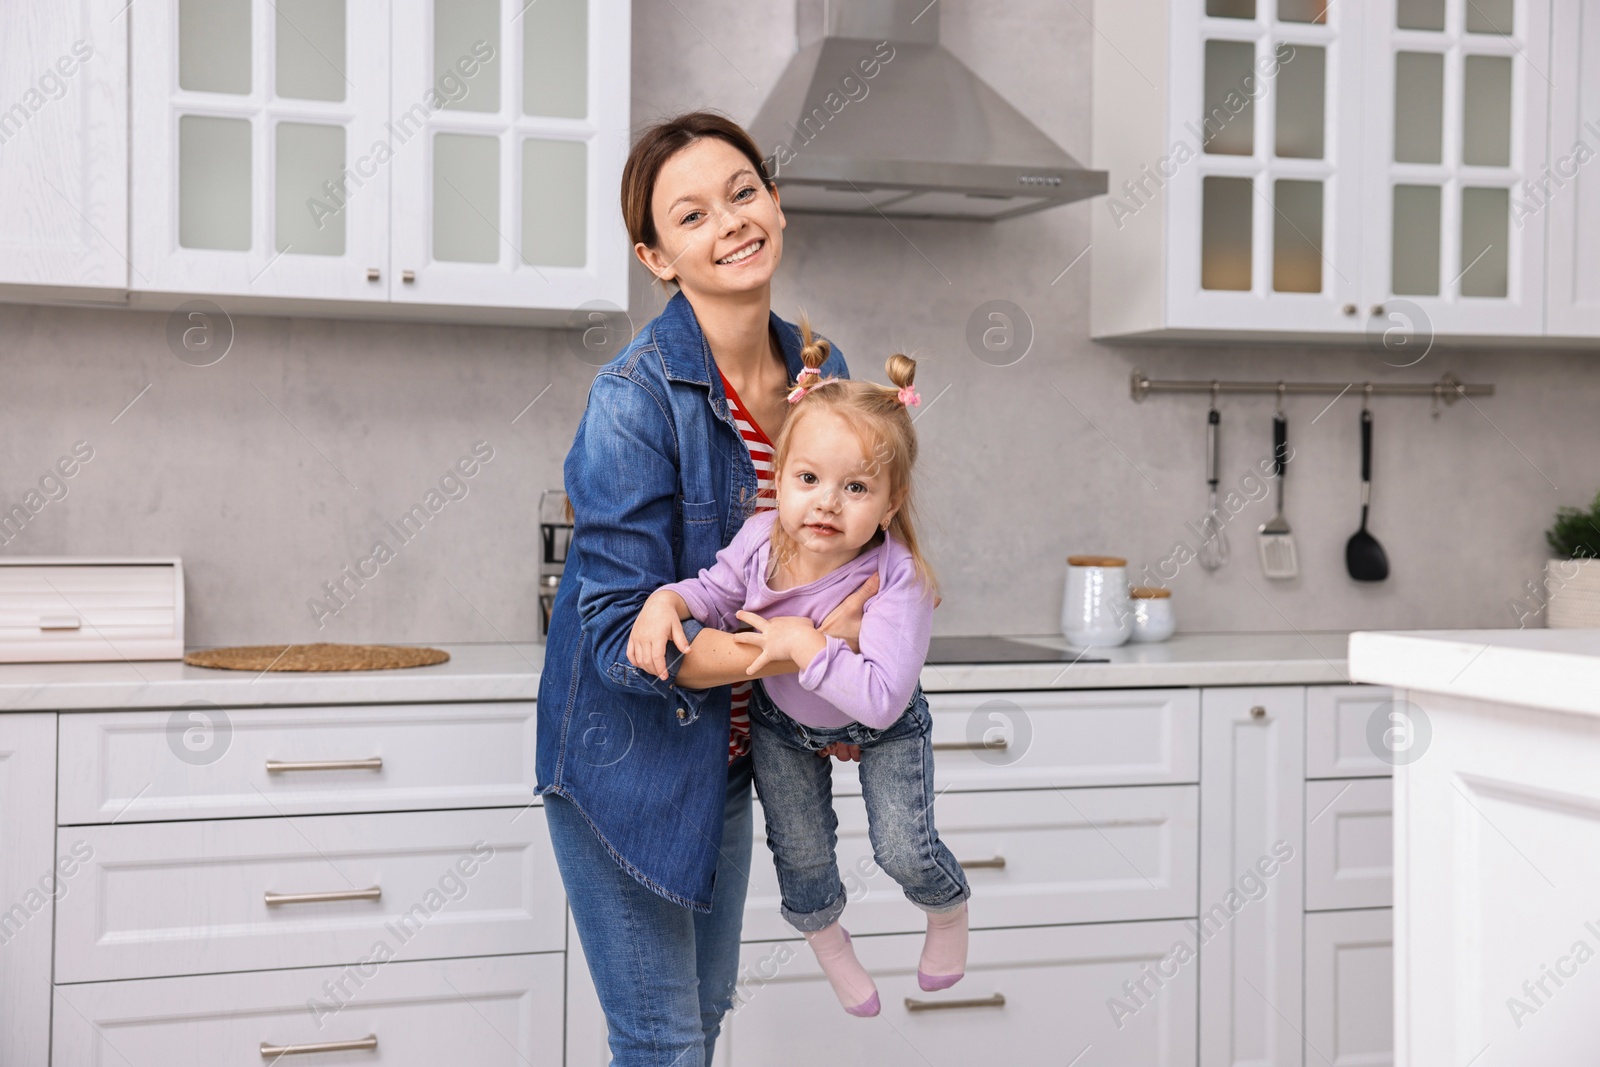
<point x="646" y="774"/>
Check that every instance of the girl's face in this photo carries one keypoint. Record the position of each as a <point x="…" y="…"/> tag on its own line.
<point x="832" y="496"/>
<point x="719" y="231"/>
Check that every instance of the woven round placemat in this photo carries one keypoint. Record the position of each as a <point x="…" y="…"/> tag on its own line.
<point x="317" y="657"/>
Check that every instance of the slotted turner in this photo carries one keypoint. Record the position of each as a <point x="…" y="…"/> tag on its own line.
<point x="1278" y="558"/>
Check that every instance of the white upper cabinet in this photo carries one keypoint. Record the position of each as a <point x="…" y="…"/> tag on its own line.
<point x="1320" y="168"/>
<point x="1569" y="190"/>
<point x="63" y="148"/>
<point x="249" y="121"/>
<point x="507" y="194"/>
<point x="415" y="158"/>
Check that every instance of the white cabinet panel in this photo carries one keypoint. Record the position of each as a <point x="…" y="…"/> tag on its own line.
<point x="1033" y="740"/>
<point x="1032" y="858"/>
<point x="1031" y="998"/>
<point x="29" y="881"/>
<point x="200" y="761"/>
<point x="1350" y="988"/>
<point x="1252" y="814"/>
<point x="1570" y="194"/>
<point x="243" y="182"/>
<point x="1337" y="718"/>
<point x="490" y="1012"/>
<point x="1349" y="844"/>
<point x="64" y="147"/>
<point x="196" y="897"/>
<point x="506" y="196"/>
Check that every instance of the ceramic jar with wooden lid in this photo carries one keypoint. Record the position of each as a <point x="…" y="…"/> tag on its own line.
<point x="1152" y="614"/>
<point x="1094" y="611"/>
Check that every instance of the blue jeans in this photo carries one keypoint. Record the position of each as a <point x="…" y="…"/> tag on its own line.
<point x="665" y="974"/>
<point x="796" y="790"/>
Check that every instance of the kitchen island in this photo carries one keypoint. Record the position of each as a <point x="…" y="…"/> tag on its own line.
<point x="1178" y="856"/>
<point x="1496" y="740"/>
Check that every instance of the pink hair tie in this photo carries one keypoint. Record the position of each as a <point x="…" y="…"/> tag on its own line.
<point x="908" y="397"/>
<point x="800" y="387"/>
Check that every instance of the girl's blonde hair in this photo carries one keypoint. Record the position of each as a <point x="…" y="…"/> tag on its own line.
<point x="883" y="424"/>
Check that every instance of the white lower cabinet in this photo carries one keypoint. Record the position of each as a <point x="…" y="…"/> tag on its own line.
<point x="1032" y="858"/>
<point x="1349" y="1017"/>
<point x="29" y="884"/>
<point x="244" y="894"/>
<point x="501" y="1011"/>
<point x="1349" y="844"/>
<point x="1031" y="998"/>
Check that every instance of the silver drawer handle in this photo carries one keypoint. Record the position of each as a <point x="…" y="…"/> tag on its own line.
<point x="279" y="766"/>
<point x="60" y="622"/>
<point x="996" y="864"/>
<point x="362" y="1043"/>
<point x="275" y="899"/>
<point x="999" y="744"/>
<point x="998" y="1000"/>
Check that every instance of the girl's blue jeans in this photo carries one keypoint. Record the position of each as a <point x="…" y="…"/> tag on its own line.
<point x="796" y="790"/>
<point x="665" y="974"/>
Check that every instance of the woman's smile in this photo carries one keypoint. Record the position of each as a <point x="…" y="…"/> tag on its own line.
<point x="744" y="253"/>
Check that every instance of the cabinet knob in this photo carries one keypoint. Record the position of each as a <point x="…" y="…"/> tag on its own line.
<point x="373" y="274"/>
<point x="1258" y="712"/>
<point x="1377" y="309"/>
<point x="408" y="276"/>
<point x="1350" y="309"/>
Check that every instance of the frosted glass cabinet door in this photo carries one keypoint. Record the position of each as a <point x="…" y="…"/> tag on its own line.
<point x="514" y="118"/>
<point x="1573" y="199"/>
<point x="261" y="163"/>
<point x="63" y="148"/>
<point x="1455" y="123"/>
<point x="1264" y="226"/>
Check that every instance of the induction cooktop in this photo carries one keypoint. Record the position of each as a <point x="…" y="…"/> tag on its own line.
<point x="1001" y="650"/>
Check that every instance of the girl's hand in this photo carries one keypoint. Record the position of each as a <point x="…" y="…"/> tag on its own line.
<point x="659" y="621"/>
<point x="844" y="621"/>
<point x="788" y="638"/>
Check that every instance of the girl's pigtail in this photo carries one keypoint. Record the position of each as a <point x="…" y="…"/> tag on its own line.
<point x="902" y="372"/>
<point x="813" y="349"/>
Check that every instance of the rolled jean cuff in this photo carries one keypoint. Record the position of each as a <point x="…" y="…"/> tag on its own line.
<point x="811" y="922"/>
<point x="939" y="909"/>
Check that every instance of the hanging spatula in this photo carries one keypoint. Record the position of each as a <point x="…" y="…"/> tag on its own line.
<point x="1277" y="540"/>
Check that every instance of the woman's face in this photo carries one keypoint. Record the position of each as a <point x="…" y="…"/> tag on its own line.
<point x="719" y="231"/>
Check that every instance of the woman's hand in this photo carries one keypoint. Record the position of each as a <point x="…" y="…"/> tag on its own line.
<point x="790" y="637"/>
<point x="659" y="621"/>
<point x="842" y="751"/>
<point x="844" y="621"/>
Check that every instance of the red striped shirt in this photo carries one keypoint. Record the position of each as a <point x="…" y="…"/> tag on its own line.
<point x="760" y="449"/>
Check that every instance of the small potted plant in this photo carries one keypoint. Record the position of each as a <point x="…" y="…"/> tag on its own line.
<point x="1572" y="579"/>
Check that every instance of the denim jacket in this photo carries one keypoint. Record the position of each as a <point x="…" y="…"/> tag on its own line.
<point x="659" y="481"/>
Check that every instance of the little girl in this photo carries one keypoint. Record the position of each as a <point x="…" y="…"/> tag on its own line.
<point x="843" y="478"/>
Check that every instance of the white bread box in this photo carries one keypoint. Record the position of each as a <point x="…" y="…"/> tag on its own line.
<point x="65" y="608"/>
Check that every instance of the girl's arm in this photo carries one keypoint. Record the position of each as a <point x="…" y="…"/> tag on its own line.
<point x="726" y="661"/>
<point x="873" y="686"/>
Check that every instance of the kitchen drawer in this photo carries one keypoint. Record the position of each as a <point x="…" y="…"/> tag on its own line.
<point x="1033" y="858"/>
<point x="1349" y="844"/>
<point x="1027" y="740"/>
<point x="1038" y="998"/>
<point x="191" y="897"/>
<point x="204" y="762"/>
<point x="1336" y="731"/>
<point x="502" y="1011"/>
<point x="1349" y="1012"/>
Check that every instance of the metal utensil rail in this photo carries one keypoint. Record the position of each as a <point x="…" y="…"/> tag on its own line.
<point x="1448" y="388"/>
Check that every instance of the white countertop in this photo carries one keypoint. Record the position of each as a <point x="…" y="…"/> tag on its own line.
<point x="1555" y="669"/>
<point x="511" y="672"/>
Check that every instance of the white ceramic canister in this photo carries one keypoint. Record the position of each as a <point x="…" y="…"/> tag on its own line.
<point x="1152" y="614"/>
<point x="1094" y="612"/>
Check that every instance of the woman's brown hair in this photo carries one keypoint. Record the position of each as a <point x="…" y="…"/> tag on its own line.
<point x="660" y="143"/>
<point x="881" y="421"/>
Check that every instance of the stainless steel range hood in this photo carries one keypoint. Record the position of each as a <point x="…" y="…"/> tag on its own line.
<point x="874" y="116"/>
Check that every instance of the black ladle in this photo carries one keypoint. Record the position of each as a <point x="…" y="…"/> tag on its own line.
<point x="1363" y="556"/>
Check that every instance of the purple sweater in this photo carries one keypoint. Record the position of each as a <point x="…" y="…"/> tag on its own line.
<point x="838" y="686"/>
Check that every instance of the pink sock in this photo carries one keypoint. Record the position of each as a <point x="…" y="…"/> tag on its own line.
<point x="944" y="953"/>
<point x="851" y="982"/>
